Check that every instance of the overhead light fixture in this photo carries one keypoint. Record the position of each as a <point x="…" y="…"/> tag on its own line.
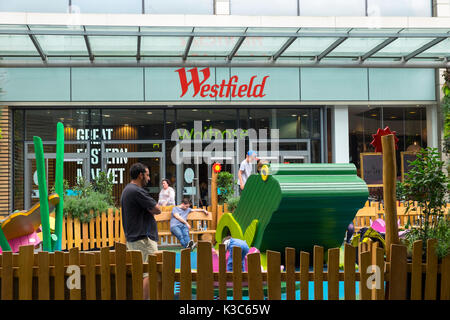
<point x="373" y="114"/>
<point x="412" y="112"/>
<point x="106" y="115"/>
<point x="207" y="120"/>
<point x="393" y="117"/>
<point x="194" y="110"/>
<point x="168" y="122"/>
<point x="294" y="115"/>
<point x="149" y="112"/>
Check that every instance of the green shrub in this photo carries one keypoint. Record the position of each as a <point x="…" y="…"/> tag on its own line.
<point x="232" y="203"/>
<point x="225" y="183"/>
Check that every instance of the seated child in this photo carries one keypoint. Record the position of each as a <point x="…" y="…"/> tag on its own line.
<point x="179" y="225"/>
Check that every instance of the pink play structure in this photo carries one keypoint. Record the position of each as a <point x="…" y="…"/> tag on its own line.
<point x="24" y="241"/>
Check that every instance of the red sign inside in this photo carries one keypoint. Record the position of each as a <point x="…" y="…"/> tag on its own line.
<point x="231" y="88"/>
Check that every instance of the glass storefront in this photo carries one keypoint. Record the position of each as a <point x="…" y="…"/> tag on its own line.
<point x="409" y="123"/>
<point x="112" y="139"/>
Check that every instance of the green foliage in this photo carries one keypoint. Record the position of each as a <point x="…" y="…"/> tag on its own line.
<point x="91" y="198"/>
<point x="441" y="232"/>
<point x="225" y="183"/>
<point x="445" y="105"/>
<point x="232" y="203"/>
<point x="104" y="184"/>
<point x="427" y="184"/>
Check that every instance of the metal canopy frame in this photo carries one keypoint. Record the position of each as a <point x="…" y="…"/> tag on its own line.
<point x="280" y="57"/>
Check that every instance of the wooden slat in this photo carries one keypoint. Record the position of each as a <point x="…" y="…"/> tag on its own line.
<point x="85" y="238"/>
<point x="168" y="275"/>
<point x="222" y="272"/>
<point x="205" y="289"/>
<point x="116" y="225"/>
<point x="237" y="272"/>
<point x="121" y="271"/>
<point x="290" y="273"/>
<point x="273" y="275"/>
<point x="43" y="276"/>
<point x="152" y="277"/>
<point x="110" y="227"/>
<point x="445" y="278"/>
<point x="26" y="260"/>
<point x="92" y="233"/>
<point x="364" y="265"/>
<point x="74" y="260"/>
<point x="59" y="275"/>
<point x="432" y="268"/>
<point x="333" y="274"/>
<point x="304" y="279"/>
<point x="416" y="271"/>
<point x="90" y="276"/>
<point x="185" y="275"/>
<point x="122" y="233"/>
<point x="255" y="284"/>
<point x="104" y="225"/>
<point x="398" y="273"/>
<point x="98" y="232"/>
<point x="70" y="242"/>
<point x="7" y="276"/>
<point x="77" y="233"/>
<point x="349" y="272"/>
<point x="318" y="272"/>
<point x="137" y="270"/>
<point x="105" y="274"/>
<point x="64" y="234"/>
<point x="378" y="261"/>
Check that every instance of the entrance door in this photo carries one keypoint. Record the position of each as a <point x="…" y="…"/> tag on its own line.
<point x="76" y="165"/>
<point x="118" y="156"/>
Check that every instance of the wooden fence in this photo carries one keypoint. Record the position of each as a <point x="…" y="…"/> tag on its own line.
<point x="118" y="274"/>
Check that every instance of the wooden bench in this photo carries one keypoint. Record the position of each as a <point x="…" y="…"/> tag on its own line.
<point x="364" y="217"/>
<point x="200" y="227"/>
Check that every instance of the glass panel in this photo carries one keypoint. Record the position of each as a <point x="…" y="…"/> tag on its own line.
<point x="308" y="46"/>
<point x="42" y="123"/>
<point x="263" y="7"/>
<point x="16" y="45"/>
<point x="440" y="50"/>
<point x="394" y="118"/>
<point x="372" y="121"/>
<point x="113" y="45"/>
<point x="18" y="125"/>
<point x="332" y="8"/>
<point x="293" y="123"/>
<point x="315" y="151"/>
<point x="173" y="46"/>
<point x="212" y="46"/>
<point x="62" y="45"/>
<point x="261" y="46"/>
<point x="410" y="8"/>
<point x="402" y="47"/>
<point x="48" y="6"/>
<point x="146" y="124"/>
<point x="107" y="6"/>
<point x="355" y="47"/>
<point x="415" y="129"/>
<point x="179" y="6"/>
<point x="221" y="119"/>
<point x="356" y="134"/>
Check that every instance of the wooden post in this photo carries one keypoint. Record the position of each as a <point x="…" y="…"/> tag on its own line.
<point x="389" y="184"/>
<point x="214" y="199"/>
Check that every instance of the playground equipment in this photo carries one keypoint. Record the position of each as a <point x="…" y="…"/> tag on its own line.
<point x="297" y="206"/>
<point x="20" y="227"/>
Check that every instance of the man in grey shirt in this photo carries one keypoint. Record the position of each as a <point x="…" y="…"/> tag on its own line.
<point x="245" y="170"/>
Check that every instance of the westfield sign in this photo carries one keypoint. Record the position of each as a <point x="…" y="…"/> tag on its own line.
<point x="231" y="88"/>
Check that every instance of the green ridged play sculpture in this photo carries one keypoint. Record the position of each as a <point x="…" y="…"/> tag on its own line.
<point x="297" y="206"/>
<point x="50" y="242"/>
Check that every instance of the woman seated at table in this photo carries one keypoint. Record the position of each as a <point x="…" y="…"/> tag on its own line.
<point x="166" y="195"/>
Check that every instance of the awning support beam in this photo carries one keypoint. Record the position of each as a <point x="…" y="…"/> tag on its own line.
<point x="423" y="48"/>
<point x="283" y="48"/>
<point x="188" y="47"/>
<point x="378" y="48"/>
<point x="235" y="48"/>
<point x="333" y="46"/>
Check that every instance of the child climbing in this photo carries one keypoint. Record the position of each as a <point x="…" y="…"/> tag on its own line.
<point x="230" y="243"/>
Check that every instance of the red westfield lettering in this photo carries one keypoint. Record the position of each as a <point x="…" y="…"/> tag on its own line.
<point x="223" y="90"/>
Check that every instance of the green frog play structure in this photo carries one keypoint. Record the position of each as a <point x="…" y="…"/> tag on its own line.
<point x="297" y="206"/>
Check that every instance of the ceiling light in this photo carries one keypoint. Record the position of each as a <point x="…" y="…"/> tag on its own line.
<point x="149" y="112"/>
<point x="106" y="115"/>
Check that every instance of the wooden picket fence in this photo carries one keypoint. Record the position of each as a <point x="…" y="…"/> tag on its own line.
<point x="102" y="231"/>
<point x="106" y="229"/>
<point x="118" y="274"/>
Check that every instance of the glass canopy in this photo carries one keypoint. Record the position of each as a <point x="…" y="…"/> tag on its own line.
<point x="182" y="45"/>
